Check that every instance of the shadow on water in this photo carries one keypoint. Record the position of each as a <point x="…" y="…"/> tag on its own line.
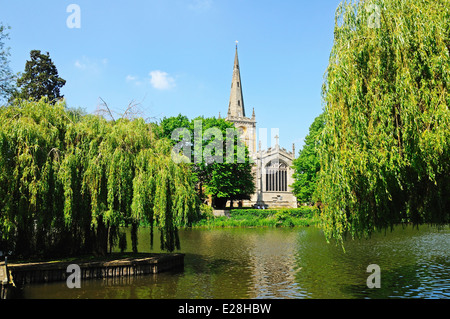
<point x="201" y="265"/>
<point x="202" y="277"/>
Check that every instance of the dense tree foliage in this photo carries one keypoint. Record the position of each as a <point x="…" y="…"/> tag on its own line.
<point x="169" y="124"/>
<point x="307" y="165"/>
<point x="68" y="181"/>
<point x="40" y="79"/>
<point x="385" y="150"/>
<point x="224" y="179"/>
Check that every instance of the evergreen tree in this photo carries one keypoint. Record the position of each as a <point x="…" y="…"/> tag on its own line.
<point x="40" y="79"/>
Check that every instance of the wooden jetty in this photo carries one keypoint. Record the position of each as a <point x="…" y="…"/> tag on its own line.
<point x="42" y="272"/>
<point x="5" y="279"/>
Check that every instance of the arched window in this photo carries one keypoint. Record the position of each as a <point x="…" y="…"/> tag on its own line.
<point x="276" y="176"/>
<point x="239" y="102"/>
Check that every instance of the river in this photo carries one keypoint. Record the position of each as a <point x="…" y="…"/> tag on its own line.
<point x="282" y="263"/>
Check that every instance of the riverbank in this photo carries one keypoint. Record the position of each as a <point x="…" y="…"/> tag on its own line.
<point x="293" y="217"/>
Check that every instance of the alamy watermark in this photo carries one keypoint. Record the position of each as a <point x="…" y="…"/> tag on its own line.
<point x="374" y="21"/>
<point x="74" y="19"/>
<point x="192" y="149"/>
<point x="374" y="280"/>
<point x="74" y="279"/>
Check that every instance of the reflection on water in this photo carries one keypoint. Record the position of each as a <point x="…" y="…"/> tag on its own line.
<point x="283" y="263"/>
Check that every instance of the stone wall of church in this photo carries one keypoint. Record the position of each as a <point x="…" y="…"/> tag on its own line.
<point x="272" y="200"/>
<point x="273" y="177"/>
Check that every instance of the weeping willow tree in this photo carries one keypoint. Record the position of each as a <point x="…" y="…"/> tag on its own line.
<point x="385" y="148"/>
<point x="31" y="140"/>
<point x="68" y="182"/>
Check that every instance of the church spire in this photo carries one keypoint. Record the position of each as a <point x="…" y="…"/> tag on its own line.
<point x="236" y="105"/>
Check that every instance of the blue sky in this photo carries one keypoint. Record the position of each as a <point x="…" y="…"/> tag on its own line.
<point x="176" y="56"/>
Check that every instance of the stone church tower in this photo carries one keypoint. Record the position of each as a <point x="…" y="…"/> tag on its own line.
<point x="236" y="110"/>
<point x="272" y="167"/>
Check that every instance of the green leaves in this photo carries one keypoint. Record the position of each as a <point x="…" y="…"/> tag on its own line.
<point x="307" y="165"/>
<point x="224" y="178"/>
<point x="40" y="79"/>
<point x="63" y="182"/>
<point x="385" y="146"/>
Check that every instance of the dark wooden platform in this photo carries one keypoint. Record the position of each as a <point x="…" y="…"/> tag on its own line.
<point x="41" y="272"/>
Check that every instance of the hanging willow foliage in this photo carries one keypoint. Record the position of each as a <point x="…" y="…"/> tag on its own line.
<point x="68" y="182"/>
<point x="31" y="137"/>
<point x="385" y="149"/>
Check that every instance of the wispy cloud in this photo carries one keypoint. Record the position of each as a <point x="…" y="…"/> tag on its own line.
<point x="131" y="78"/>
<point x="80" y="65"/>
<point x="200" y="5"/>
<point x="161" y="80"/>
<point x="93" y="66"/>
<point x="134" y="80"/>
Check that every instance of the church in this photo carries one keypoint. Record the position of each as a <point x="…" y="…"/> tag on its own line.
<point x="272" y="167"/>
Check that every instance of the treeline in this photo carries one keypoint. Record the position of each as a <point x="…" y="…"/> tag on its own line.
<point x="69" y="181"/>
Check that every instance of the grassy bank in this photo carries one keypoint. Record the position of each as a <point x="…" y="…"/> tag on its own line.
<point x="302" y="216"/>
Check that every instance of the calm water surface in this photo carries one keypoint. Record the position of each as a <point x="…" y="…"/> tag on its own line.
<point x="283" y="263"/>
